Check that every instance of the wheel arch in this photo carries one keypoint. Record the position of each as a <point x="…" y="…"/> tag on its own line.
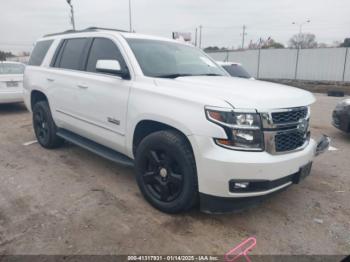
<point x="146" y="127"/>
<point x="37" y="96"/>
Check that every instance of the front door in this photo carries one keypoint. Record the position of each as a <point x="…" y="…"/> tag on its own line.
<point x="103" y="98"/>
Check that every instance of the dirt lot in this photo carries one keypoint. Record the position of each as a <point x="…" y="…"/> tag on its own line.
<point x="69" y="201"/>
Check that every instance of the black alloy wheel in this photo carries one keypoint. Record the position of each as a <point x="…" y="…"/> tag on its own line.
<point x="44" y="126"/>
<point x="166" y="171"/>
<point x="41" y="125"/>
<point x="162" y="175"/>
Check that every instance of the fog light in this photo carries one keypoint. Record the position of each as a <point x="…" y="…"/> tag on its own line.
<point x="238" y="185"/>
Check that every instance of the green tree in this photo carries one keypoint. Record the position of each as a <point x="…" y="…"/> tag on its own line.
<point x="214" y="48"/>
<point x="4" y="55"/>
<point x="270" y="43"/>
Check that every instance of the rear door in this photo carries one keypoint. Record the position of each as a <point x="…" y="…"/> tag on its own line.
<point x="66" y="74"/>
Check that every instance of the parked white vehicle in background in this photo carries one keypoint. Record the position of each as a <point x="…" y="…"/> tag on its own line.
<point x="235" y="69"/>
<point x="193" y="132"/>
<point x="11" y="82"/>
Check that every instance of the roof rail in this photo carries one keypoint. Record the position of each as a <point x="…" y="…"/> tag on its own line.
<point x="108" y="29"/>
<point x="89" y="29"/>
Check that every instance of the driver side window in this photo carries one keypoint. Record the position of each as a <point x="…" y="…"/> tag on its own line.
<point x="103" y="49"/>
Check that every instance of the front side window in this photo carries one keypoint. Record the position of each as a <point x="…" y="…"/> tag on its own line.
<point x="170" y="60"/>
<point x="103" y="49"/>
<point x="11" y="69"/>
<point x="39" y="52"/>
<point x="73" y="54"/>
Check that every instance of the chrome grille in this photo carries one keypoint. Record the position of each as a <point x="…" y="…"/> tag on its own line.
<point x="289" y="141"/>
<point x="294" y="115"/>
<point x="285" y="129"/>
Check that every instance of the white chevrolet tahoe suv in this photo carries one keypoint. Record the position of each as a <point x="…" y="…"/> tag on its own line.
<point x="194" y="134"/>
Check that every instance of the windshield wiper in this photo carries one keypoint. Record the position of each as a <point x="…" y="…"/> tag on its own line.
<point x="210" y="74"/>
<point x="173" y="75"/>
<point x="243" y="77"/>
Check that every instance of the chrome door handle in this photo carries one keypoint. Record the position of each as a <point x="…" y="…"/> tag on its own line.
<point x="83" y="86"/>
<point x="50" y="79"/>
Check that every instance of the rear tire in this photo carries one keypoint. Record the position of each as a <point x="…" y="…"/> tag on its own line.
<point x="166" y="171"/>
<point x="44" y="126"/>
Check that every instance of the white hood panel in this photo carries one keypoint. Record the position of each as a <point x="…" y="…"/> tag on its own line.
<point x="244" y="93"/>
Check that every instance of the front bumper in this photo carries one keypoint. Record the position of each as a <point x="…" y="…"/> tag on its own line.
<point x="215" y="205"/>
<point x="217" y="166"/>
<point x="11" y="97"/>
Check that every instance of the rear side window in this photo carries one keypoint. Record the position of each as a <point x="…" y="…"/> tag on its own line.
<point x="39" y="52"/>
<point x="73" y="54"/>
<point x="103" y="49"/>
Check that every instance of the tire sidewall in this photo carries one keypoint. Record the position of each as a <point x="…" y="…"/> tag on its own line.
<point x="158" y="141"/>
<point x="45" y="109"/>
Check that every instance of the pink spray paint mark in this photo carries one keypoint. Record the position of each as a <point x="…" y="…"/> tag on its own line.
<point x="241" y="250"/>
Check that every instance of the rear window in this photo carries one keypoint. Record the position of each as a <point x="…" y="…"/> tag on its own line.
<point x="39" y="52"/>
<point x="9" y="69"/>
<point x="73" y="54"/>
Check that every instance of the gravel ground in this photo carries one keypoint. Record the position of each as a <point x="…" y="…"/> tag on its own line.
<point x="70" y="201"/>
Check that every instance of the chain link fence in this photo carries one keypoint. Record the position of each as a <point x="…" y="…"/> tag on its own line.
<point x="319" y="64"/>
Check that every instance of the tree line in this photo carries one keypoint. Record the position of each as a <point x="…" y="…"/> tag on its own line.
<point x="305" y="40"/>
<point x="4" y="55"/>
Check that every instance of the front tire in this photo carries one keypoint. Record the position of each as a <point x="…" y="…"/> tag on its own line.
<point x="166" y="171"/>
<point x="44" y="126"/>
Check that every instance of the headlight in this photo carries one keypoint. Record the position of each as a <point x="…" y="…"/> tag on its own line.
<point x="242" y="127"/>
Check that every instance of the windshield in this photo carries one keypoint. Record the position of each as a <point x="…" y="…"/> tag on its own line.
<point x="167" y="59"/>
<point x="237" y="71"/>
<point x="9" y="68"/>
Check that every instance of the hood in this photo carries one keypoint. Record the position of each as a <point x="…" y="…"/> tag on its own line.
<point x="244" y="93"/>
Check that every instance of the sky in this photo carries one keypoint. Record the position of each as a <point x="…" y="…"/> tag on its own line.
<point x="24" y="21"/>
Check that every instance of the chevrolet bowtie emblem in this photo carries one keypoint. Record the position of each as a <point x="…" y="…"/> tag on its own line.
<point x="303" y="125"/>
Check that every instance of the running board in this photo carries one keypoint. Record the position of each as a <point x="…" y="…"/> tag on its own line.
<point x="94" y="147"/>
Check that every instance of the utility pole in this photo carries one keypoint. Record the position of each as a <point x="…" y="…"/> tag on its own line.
<point x="243" y="35"/>
<point x="259" y="55"/>
<point x="130" y="18"/>
<point x="195" y="37"/>
<point x="299" y="45"/>
<point x="200" y="36"/>
<point x="71" y="13"/>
